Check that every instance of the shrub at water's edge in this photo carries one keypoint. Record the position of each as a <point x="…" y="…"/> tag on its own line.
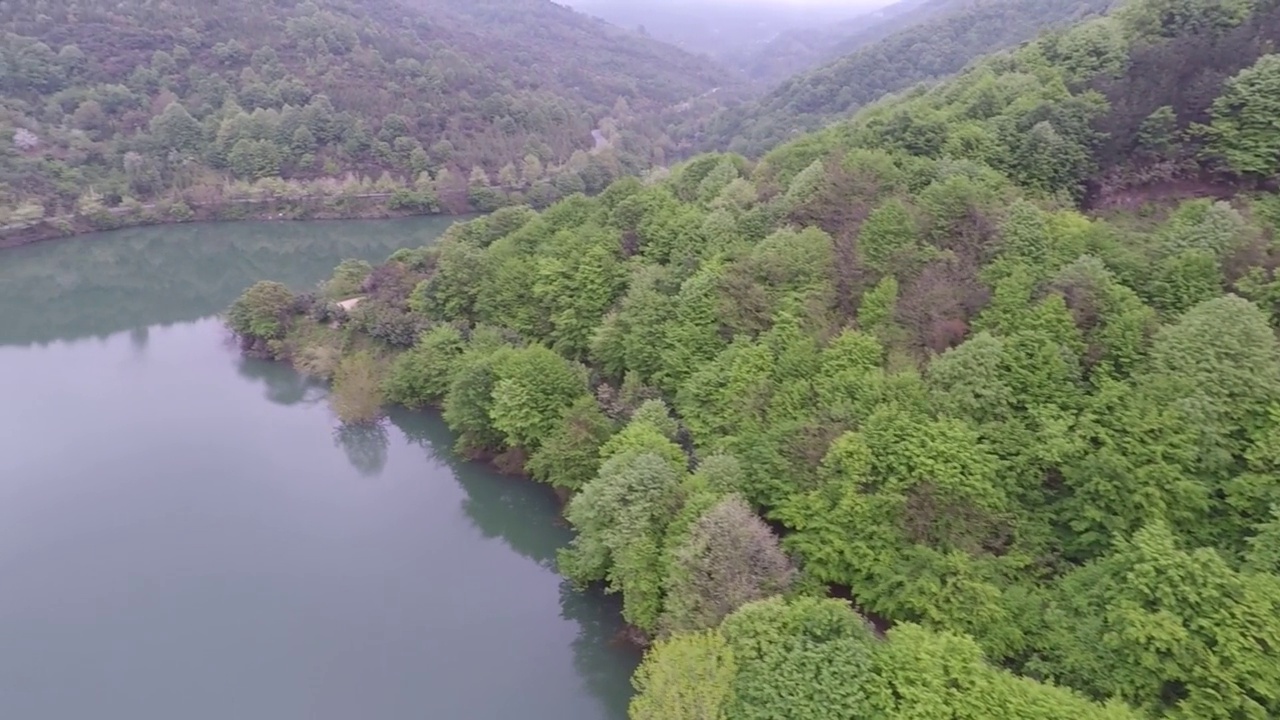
<point x="357" y="390"/>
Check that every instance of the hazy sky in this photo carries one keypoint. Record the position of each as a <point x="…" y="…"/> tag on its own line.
<point x="796" y="11"/>
<point x="851" y="4"/>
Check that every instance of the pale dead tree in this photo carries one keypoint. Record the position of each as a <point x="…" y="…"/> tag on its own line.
<point x="25" y="140"/>
<point x="730" y="559"/>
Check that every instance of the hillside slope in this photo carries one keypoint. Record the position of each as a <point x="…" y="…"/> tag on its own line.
<point x="1024" y="457"/>
<point x="766" y="39"/>
<point x="796" y="50"/>
<point x="940" y="38"/>
<point x="139" y="99"/>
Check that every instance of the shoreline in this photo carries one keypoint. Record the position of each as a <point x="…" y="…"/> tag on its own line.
<point x="628" y="635"/>
<point x="375" y="206"/>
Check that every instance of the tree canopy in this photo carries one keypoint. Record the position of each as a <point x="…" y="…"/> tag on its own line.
<point x="151" y="102"/>
<point x="917" y="416"/>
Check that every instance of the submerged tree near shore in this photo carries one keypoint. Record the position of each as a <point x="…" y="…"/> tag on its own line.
<point x="357" y="391"/>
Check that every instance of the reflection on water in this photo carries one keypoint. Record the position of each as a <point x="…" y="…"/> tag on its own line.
<point x="283" y="385"/>
<point x="524" y="514"/>
<point x="188" y="533"/>
<point x="526" y="517"/>
<point x="365" y="446"/>
<point x="599" y="644"/>
<point x="96" y="285"/>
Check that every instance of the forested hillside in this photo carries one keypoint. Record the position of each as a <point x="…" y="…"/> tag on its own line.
<point x="968" y="407"/>
<point x="766" y="40"/>
<point x="795" y="50"/>
<point x="936" y="39"/>
<point x="101" y="101"/>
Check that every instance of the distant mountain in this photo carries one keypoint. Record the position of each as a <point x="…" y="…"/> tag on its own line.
<point x="938" y="38"/>
<point x="137" y="98"/>
<point x="764" y="40"/>
<point x="799" y="49"/>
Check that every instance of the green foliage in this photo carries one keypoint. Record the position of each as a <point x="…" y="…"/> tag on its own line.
<point x="1244" y="130"/>
<point x="1212" y="227"/>
<point x="909" y="492"/>
<point x="687" y="677"/>
<point x="1172" y="18"/>
<point x="348" y="279"/>
<point x="569" y="457"/>
<point x="887" y="242"/>
<point x="1224" y="349"/>
<point x="625" y="339"/>
<point x="533" y="388"/>
<point x="969" y="382"/>
<point x="1157" y="134"/>
<point x="1040" y="445"/>
<point x="1263" y="555"/>
<point x="577" y="283"/>
<point x="202" y="93"/>
<point x="941" y="675"/>
<point x="452" y="291"/>
<point x="1176" y="632"/>
<point x="878" y="305"/>
<point x="1181" y="281"/>
<point x="642" y="436"/>
<point x="469" y="400"/>
<point x="949" y="37"/>
<point x="262" y="312"/>
<point x="423" y="375"/>
<point x="807" y="659"/>
<point x="620" y="517"/>
<point x="254" y="159"/>
<point x="816" y="659"/>
<point x="175" y="130"/>
<point x="657" y="414"/>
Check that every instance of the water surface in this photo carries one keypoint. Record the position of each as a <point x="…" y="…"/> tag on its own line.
<point x="183" y="533"/>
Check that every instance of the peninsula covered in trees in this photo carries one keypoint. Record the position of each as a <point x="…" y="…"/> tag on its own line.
<point x="968" y="407"/>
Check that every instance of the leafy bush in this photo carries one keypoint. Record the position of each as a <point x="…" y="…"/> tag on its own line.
<point x="262" y="312"/>
<point x="347" y="280"/>
<point x="422" y="376"/>
<point x="569" y="457"/>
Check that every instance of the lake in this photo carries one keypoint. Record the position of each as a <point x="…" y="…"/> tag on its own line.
<point x="185" y="534"/>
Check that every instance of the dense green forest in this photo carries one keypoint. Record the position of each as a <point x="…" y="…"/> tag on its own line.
<point x="921" y="43"/>
<point x="455" y="104"/>
<point x="897" y="422"/>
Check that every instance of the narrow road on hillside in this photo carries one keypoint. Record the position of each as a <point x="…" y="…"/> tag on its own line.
<point x="602" y="142"/>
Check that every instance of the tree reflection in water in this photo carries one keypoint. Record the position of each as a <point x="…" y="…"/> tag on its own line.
<point x="101" y="284"/>
<point x="365" y="445"/>
<point x="523" y="514"/>
<point x="526" y="516"/>
<point x="600" y="644"/>
<point x="285" y="386"/>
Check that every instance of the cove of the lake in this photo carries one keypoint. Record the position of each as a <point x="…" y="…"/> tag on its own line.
<point x="184" y="533"/>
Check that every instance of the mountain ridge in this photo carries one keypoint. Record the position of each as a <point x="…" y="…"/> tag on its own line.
<point x="937" y="39"/>
<point x="381" y="87"/>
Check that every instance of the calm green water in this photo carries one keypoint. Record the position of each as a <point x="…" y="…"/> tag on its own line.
<point x="184" y="535"/>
